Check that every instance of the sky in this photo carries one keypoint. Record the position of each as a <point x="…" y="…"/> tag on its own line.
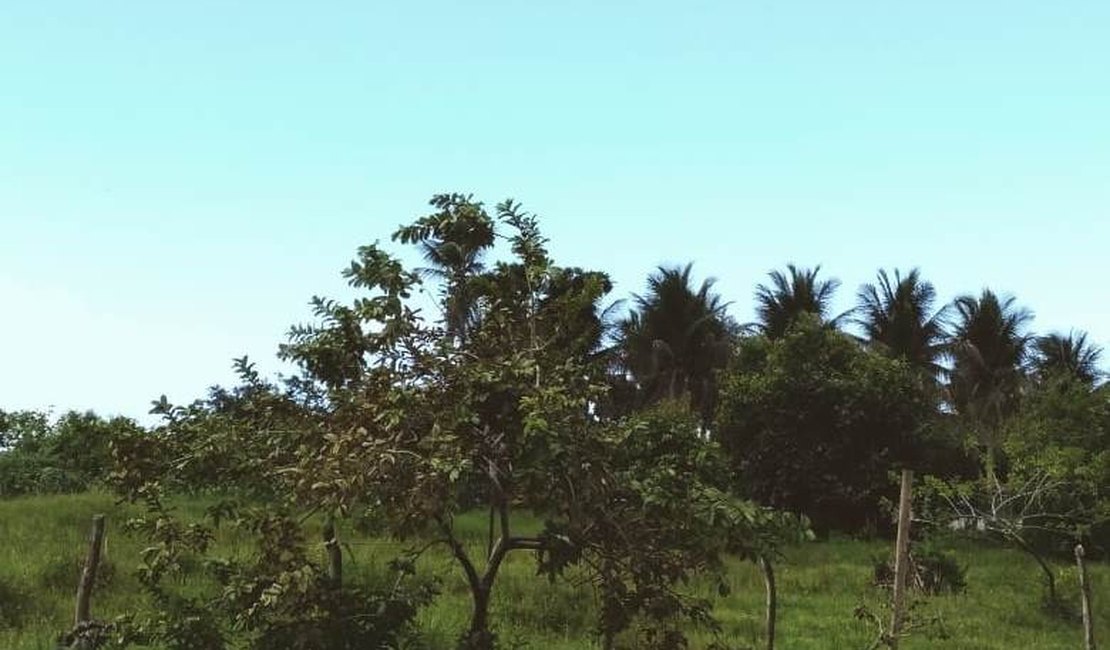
<point x="178" y="179"/>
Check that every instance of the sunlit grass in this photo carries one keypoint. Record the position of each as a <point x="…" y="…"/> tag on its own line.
<point x="42" y="541"/>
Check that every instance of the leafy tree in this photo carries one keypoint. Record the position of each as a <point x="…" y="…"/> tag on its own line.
<point x="814" y="423"/>
<point x="1062" y="432"/>
<point x="669" y="513"/>
<point x="791" y="294"/>
<point x="453" y="241"/>
<point x="233" y="445"/>
<point x="68" y="454"/>
<point x="1072" y="355"/>
<point x="989" y="349"/>
<point x="404" y="416"/>
<point x="898" y="317"/>
<point x="675" y="339"/>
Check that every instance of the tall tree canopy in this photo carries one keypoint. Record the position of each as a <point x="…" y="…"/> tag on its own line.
<point x="791" y="294"/>
<point x="898" y="317"/>
<point x="989" y="348"/>
<point x="1071" y="355"/>
<point x="453" y="241"/>
<point x="421" y="419"/>
<point x="675" y="338"/>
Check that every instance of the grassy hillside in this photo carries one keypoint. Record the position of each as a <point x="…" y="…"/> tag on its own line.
<point x="42" y="541"/>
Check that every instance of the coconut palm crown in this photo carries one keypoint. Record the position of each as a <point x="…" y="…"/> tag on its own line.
<point x="791" y="294"/>
<point x="675" y="338"/>
<point x="897" y="317"/>
<point x="1067" y="355"/>
<point x="989" y="349"/>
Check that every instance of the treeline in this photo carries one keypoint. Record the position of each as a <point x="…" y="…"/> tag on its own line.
<point x="651" y="443"/>
<point x="71" y="453"/>
<point x="814" y="414"/>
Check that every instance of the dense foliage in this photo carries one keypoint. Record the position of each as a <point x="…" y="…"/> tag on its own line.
<point x="815" y="423"/>
<point x="66" y="454"/>
<point x="494" y="405"/>
<point x="651" y="446"/>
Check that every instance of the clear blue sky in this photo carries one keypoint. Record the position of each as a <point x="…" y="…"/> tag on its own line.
<point x="176" y="179"/>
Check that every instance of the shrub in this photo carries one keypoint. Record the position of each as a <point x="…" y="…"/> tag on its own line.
<point x="814" y="423"/>
<point x="14" y="604"/>
<point x="931" y="571"/>
<point x="65" y="455"/>
<point x="65" y="572"/>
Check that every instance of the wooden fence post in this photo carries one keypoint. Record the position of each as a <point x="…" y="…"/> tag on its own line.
<point x="335" y="554"/>
<point x="901" y="557"/>
<point x="1085" y="594"/>
<point x="88" y="574"/>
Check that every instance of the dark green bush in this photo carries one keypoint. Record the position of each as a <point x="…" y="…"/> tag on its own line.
<point x="14" y="604"/>
<point x="43" y="456"/>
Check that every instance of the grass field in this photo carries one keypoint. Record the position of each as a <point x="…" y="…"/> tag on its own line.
<point x="820" y="585"/>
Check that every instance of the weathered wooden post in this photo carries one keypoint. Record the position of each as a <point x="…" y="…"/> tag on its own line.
<point x="901" y="557"/>
<point x="1085" y="594"/>
<point x="335" y="554"/>
<point x="88" y="574"/>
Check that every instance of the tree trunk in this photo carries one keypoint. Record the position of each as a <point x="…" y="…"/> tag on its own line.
<point x="479" y="637"/>
<point x="772" y="599"/>
<point x="1049" y="577"/>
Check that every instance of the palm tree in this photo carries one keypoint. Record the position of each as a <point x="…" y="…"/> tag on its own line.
<point x="989" y="348"/>
<point x="897" y="317"/>
<point x="453" y="242"/>
<point x="675" y="338"/>
<point x="788" y="296"/>
<point x="1071" y="355"/>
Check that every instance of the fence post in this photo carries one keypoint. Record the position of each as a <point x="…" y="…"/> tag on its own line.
<point x="88" y="574"/>
<point x="335" y="554"/>
<point x="901" y="557"/>
<point x="1085" y="594"/>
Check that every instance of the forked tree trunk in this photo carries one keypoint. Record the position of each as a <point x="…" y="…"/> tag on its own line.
<point x="479" y="636"/>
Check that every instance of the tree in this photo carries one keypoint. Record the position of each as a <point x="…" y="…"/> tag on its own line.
<point x="64" y="454"/>
<point x="897" y="317"/>
<point x="989" y="348"/>
<point x="1072" y="355"/>
<point x="791" y="294"/>
<point x="1061" y="431"/>
<point x="814" y="423"/>
<point x="1014" y="511"/>
<point x="237" y="445"/>
<point x="453" y="242"/>
<point x="413" y="421"/>
<point x="675" y="339"/>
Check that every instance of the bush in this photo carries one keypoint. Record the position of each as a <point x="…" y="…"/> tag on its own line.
<point x="931" y="571"/>
<point x="814" y="423"/>
<point x="69" y="454"/>
<point x="14" y="604"/>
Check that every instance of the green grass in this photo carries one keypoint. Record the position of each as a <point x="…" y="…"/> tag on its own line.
<point x="42" y="540"/>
